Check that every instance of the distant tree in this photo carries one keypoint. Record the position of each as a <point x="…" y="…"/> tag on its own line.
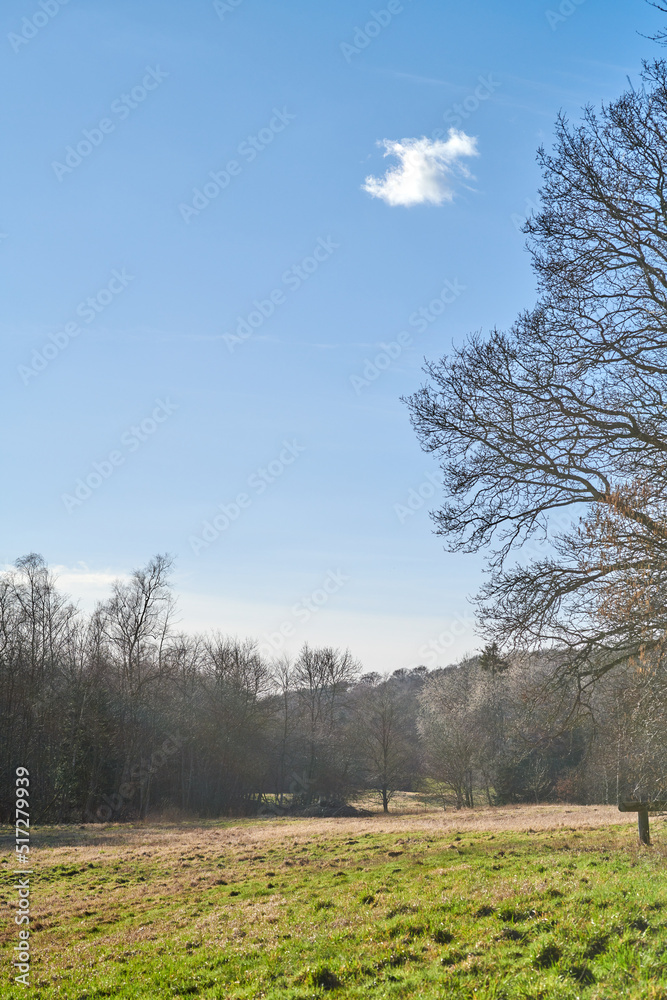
<point x="322" y="677"/>
<point x="491" y="661"/>
<point x="137" y="621"/>
<point x="285" y="725"/>
<point x="40" y="721"/>
<point x="182" y="715"/>
<point x="381" y="736"/>
<point x="136" y="624"/>
<point x="564" y="415"/>
<point x="234" y="723"/>
<point x="540" y="746"/>
<point x="630" y="749"/>
<point x="451" y="732"/>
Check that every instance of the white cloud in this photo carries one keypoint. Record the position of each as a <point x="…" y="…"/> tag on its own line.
<point x="82" y="585"/>
<point x="85" y="586"/>
<point x="426" y="170"/>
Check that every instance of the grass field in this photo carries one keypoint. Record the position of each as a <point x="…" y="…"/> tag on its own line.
<point x="538" y="902"/>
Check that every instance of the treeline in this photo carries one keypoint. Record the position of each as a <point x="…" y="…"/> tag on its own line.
<point x="117" y="716"/>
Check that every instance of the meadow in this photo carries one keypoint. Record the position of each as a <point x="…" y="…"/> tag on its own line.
<point x="518" y="902"/>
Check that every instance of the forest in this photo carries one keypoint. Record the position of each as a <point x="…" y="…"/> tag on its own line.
<point x="119" y="716"/>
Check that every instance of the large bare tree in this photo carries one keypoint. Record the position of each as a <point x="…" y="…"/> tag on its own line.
<point x="555" y="431"/>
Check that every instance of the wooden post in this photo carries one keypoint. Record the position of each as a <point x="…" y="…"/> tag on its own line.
<point x="642" y="809"/>
<point x="642" y="826"/>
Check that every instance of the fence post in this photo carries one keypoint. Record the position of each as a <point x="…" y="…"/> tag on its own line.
<point x="642" y="826"/>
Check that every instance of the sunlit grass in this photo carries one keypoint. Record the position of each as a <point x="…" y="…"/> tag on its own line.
<point x="435" y="905"/>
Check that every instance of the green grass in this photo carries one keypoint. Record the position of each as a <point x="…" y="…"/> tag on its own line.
<point x="290" y="910"/>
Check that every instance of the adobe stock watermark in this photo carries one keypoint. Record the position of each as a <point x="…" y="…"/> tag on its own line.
<point x="461" y="111"/>
<point x="292" y="279"/>
<point x="565" y="9"/>
<point x="31" y="26"/>
<point x="420" y="320"/>
<point x="222" y="7"/>
<point x="458" y="626"/>
<point x="417" y="498"/>
<point x="303" y="611"/>
<point x="21" y="960"/>
<point x="121" y="108"/>
<point x="519" y="220"/>
<point x="376" y="24"/>
<point x="258" y="482"/>
<point x="130" y="441"/>
<point x="249" y="150"/>
<point x="87" y="310"/>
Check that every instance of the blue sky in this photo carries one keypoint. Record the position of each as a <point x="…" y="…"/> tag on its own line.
<point x="182" y="349"/>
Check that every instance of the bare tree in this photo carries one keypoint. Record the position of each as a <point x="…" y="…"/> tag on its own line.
<point x="234" y="719"/>
<point x="381" y="737"/>
<point x="286" y="728"/>
<point x="136" y="623"/>
<point x="37" y="637"/>
<point x="322" y="677"/>
<point x="564" y="415"/>
<point x="630" y="749"/>
<point x="451" y="733"/>
<point x="661" y="36"/>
